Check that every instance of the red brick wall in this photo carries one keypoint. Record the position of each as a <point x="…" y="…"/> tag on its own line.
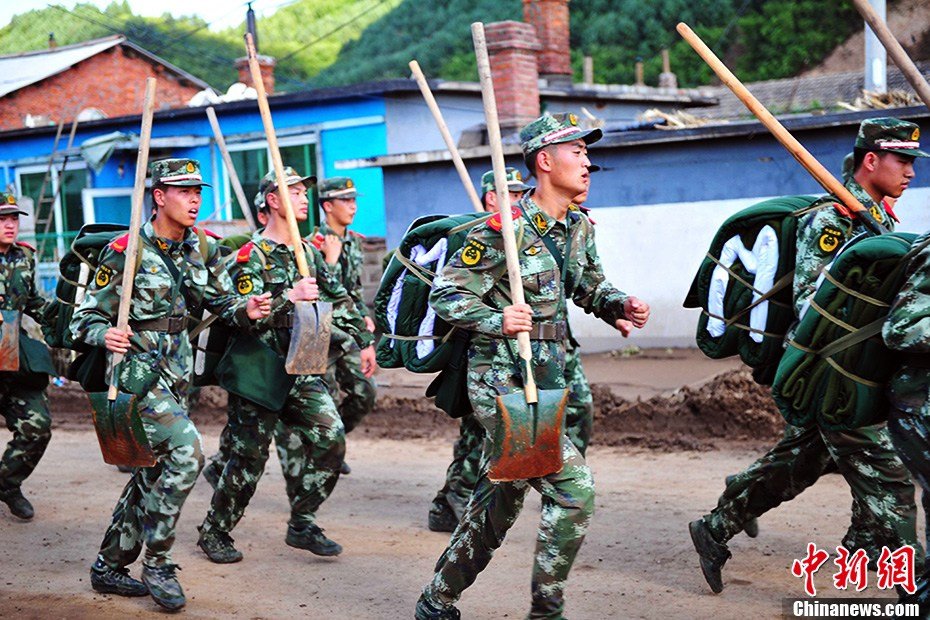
<point x="113" y="81"/>
<point x="265" y="65"/>
<point x="550" y="19"/>
<point x="512" y="47"/>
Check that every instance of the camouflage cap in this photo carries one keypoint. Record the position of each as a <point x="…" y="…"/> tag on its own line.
<point x="514" y="181"/>
<point x="337" y="187"/>
<point x="555" y="129"/>
<point x="8" y="205"/>
<point x="181" y="172"/>
<point x="269" y="184"/>
<point x="890" y="134"/>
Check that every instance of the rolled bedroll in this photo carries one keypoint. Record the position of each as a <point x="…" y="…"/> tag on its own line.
<point x="743" y="286"/>
<point x="835" y="368"/>
<point x="413" y="336"/>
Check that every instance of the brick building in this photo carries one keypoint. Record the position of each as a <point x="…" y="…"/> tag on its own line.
<point x="106" y="75"/>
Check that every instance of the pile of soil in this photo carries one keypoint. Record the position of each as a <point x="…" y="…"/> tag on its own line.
<point x="729" y="407"/>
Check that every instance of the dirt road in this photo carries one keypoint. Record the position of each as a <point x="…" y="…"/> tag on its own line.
<point x="637" y="561"/>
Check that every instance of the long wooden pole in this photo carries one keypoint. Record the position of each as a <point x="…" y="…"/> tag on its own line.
<point x="283" y="193"/>
<point x="446" y="136"/>
<point x="814" y="167"/>
<point x="230" y="169"/>
<point x="503" y="199"/>
<point x="894" y="49"/>
<point x="135" y="219"/>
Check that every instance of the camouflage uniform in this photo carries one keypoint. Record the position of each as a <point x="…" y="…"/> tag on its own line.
<point x="309" y="417"/>
<point x="23" y="401"/>
<point x="151" y="502"/>
<point x="884" y="509"/>
<point x="906" y="330"/>
<point x="470" y="293"/>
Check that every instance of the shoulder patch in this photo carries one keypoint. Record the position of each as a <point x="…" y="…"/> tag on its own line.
<point x="244" y="284"/>
<point x="494" y="222"/>
<point x="356" y="234"/>
<point x="23" y="244"/>
<point x="207" y="232"/>
<point x="472" y="252"/>
<point x="829" y="239"/>
<point x="103" y="276"/>
<point x="317" y="240"/>
<point x="842" y="210"/>
<point x="242" y="256"/>
<point x="119" y="244"/>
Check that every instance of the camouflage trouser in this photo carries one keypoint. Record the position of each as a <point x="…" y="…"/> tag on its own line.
<point x="568" y="504"/>
<point x="27" y="417"/>
<point x="344" y="374"/>
<point x="314" y="447"/>
<point x="910" y="433"/>
<point x="151" y="502"/>
<point x="462" y="473"/>
<point x="865" y="457"/>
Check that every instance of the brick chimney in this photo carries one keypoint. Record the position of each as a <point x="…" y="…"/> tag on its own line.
<point x="512" y="48"/>
<point x="266" y="66"/>
<point x="550" y="20"/>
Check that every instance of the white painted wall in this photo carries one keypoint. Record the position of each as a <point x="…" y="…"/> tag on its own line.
<point x="654" y="251"/>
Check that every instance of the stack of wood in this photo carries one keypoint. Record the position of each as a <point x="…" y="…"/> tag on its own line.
<point x="673" y="120"/>
<point x="870" y="100"/>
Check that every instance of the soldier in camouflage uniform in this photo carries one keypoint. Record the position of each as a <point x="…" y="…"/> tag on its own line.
<point x="315" y="433"/>
<point x="884" y="153"/>
<point x="471" y="292"/>
<point x="342" y="249"/>
<point x="23" y="401"/>
<point x="907" y="329"/>
<point x="175" y="274"/>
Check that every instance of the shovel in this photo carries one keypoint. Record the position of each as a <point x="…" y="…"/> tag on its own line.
<point x="309" y="349"/>
<point x="9" y="340"/>
<point x="527" y="441"/>
<point x="116" y="417"/>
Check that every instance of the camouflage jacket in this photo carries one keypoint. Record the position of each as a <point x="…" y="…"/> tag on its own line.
<point x="348" y="269"/>
<point x="207" y="284"/>
<point x="18" y="282"/>
<point x="822" y="232"/>
<point x="473" y="288"/>
<point x="907" y="329"/>
<point x="263" y="265"/>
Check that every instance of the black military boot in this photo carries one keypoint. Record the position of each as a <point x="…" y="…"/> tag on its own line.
<point x="426" y="610"/>
<point x="18" y="504"/>
<point x="163" y="585"/>
<point x="752" y="526"/>
<point x="117" y="581"/>
<point x="441" y="517"/>
<point x="713" y="554"/>
<point x="344" y="469"/>
<point x="218" y="546"/>
<point x="312" y="538"/>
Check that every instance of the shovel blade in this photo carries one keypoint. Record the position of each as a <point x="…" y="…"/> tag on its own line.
<point x="308" y="353"/>
<point x="9" y="340"/>
<point x="528" y="438"/>
<point x="119" y="430"/>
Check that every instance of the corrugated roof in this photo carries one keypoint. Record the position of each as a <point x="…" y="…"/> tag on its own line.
<point x="20" y="70"/>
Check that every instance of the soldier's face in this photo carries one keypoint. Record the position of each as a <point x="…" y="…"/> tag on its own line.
<point x="490" y="201"/>
<point x="9" y="229"/>
<point x="299" y="201"/>
<point x="890" y="173"/>
<point x="178" y="204"/>
<point x="341" y="210"/>
<point x="569" y="167"/>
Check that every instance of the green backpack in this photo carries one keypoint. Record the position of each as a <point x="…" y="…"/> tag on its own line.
<point x="744" y="285"/>
<point x="835" y="368"/>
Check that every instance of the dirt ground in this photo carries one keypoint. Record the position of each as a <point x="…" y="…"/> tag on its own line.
<point x="659" y="461"/>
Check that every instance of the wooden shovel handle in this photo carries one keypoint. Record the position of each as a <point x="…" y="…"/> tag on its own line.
<point x="230" y="168"/>
<point x="446" y="136"/>
<point x="135" y="218"/>
<point x="897" y="53"/>
<point x="272" y="138"/>
<point x="503" y="199"/>
<point x="814" y="167"/>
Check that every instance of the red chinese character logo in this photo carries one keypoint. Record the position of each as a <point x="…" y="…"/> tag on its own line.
<point x="896" y="569"/>
<point x="852" y="569"/>
<point x="808" y="566"/>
